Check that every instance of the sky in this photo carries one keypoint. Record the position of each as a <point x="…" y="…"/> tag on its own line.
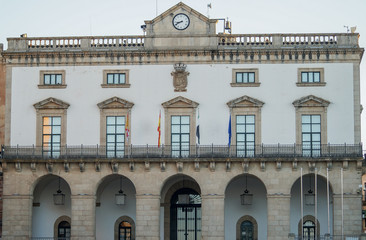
<point x="51" y="18"/>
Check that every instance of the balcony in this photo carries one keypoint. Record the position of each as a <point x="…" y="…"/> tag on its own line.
<point x="253" y="152"/>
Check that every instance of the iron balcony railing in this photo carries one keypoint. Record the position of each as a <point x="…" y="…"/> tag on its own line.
<point x="328" y="237"/>
<point x="185" y="151"/>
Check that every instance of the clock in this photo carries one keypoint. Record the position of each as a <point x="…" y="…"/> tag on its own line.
<point x="181" y="21"/>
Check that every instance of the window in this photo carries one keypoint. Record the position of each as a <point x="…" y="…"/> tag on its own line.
<point x="64" y="231"/>
<point x="116" y="79"/>
<point x="246" y="125"/>
<point x="311" y="135"/>
<point x="180" y="125"/>
<point x="180" y="129"/>
<point x="310" y="77"/>
<point x="245" y="78"/>
<point x="125" y="231"/>
<point x="51" y="136"/>
<point x="115" y="139"/>
<point x="311" y="124"/>
<point x="245" y="135"/>
<point x="246" y="230"/>
<point x="115" y="126"/>
<point x="52" y="79"/>
<point x="309" y="230"/>
<point x="51" y="126"/>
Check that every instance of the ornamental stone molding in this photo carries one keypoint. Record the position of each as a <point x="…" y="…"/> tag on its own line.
<point x="51" y="103"/>
<point x="311" y="101"/>
<point x="115" y="102"/>
<point x="180" y="80"/>
<point x="245" y="101"/>
<point x="180" y="102"/>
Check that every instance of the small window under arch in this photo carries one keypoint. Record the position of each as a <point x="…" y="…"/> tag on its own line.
<point x="64" y="230"/>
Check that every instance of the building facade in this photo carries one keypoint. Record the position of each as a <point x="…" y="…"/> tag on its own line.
<point x="182" y="133"/>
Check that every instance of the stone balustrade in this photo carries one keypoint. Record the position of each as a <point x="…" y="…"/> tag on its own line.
<point x="239" y="41"/>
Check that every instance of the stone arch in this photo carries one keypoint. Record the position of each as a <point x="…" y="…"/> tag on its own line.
<point x="125" y="219"/>
<point x="309" y="218"/>
<point x="320" y="177"/>
<point x="243" y="175"/>
<point x="106" y="180"/>
<point x="250" y="219"/>
<point x="39" y="184"/>
<point x="57" y="222"/>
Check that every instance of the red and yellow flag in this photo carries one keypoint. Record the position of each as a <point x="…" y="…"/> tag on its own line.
<point x="127" y="128"/>
<point x="159" y="129"/>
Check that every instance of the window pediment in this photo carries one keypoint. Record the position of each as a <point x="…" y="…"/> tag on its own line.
<point x="245" y="102"/>
<point x="51" y="103"/>
<point x="115" y="103"/>
<point x="180" y="102"/>
<point x="311" y="101"/>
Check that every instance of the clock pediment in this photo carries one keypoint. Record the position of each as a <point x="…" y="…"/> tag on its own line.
<point x="166" y="23"/>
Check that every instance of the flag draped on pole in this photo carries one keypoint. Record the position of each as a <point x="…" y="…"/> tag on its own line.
<point x="159" y="129"/>
<point x="127" y="128"/>
<point x="198" y="127"/>
<point x="229" y="131"/>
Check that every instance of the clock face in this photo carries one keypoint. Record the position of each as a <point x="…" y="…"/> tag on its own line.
<point x="181" y="21"/>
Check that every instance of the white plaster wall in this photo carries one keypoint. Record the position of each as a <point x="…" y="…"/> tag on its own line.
<point x="45" y="216"/>
<point x="209" y="85"/>
<point x="322" y="209"/>
<point x="109" y="212"/>
<point x="234" y="210"/>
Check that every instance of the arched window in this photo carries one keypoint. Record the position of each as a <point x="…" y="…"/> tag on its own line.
<point x="246" y="230"/>
<point x="64" y="230"/>
<point x="308" y="230"/>
<point x="125" y="231"/>
<point x="124" y="228"/>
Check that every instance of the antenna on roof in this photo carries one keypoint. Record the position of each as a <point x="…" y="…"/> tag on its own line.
<point x="347" y="27"/>
<point x="156" y="5"/>
<point x="208" y="8"/>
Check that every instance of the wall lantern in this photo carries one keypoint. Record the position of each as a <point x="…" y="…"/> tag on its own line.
<point x="310" y="196"/>
<point x="59" y="197"/>
<point x="120" y="196"/>
<point x="246" y="198"/>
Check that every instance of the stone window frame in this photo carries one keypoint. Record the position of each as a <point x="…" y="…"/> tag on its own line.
<point x="245" y="70"/>
<point x="114" y="106"/>
<point x="180" y="106"/>
<point x="51" y="107"/>
<point x="250" y="219"/>
<point x="125" y="219"/>
<point x="124" y="85"/>
<point x="246" y="105"/>
<point x="42" y="73"/>
<point x="57" y="222"/>
<point x="311" y="105"/>
<point x="308" y="218"/>
<point x="299" y="83"/>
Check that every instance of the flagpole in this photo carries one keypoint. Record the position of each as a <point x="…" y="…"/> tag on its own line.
<point x="301" y="202"/>
<point x="328" y="199"/>
<point x="316" y="204"/>
<point x="342" y="197"/>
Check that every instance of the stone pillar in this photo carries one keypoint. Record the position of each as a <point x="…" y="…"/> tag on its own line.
<point x="278" y="206"/>
<point x="17" y="216"/>
<point x="147" y="217"/>
<point x="82" y="217"/>
<point x="213" y="220"/>
<point x="352" y="211"/>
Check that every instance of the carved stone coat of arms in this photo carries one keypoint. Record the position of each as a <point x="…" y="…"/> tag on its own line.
<point x="180" y="81"/>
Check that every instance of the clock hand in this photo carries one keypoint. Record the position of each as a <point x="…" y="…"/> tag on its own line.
<point x="178" y="23"/>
